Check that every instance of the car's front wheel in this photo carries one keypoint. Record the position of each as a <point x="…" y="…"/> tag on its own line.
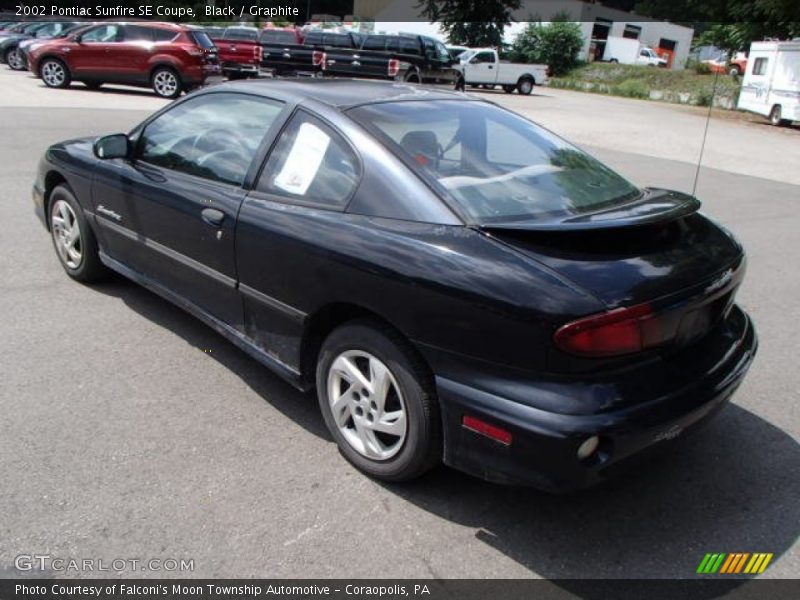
<point x="378" y="402"/>
<point x="73" y="239"/>
<point x="14" y="59"/>
<point x="166" y="83"/>
<point x="776" y="116"/>
<point x="54" y="73"/>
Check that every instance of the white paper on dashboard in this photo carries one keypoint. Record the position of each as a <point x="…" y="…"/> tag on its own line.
<point x="304" y="160"/>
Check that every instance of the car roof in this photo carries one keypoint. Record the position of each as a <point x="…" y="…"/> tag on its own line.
<point x="344" y="93"/>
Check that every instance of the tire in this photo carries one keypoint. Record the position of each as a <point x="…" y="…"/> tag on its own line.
<point x="525" y="86"/>
<point x="775" y="116"/>
<point x="735" y="71"/>
<point x="166" y="83"/>
<point x="93" y="85"/>
<point x="411" y="77"/>
<point x="76" y="249"/>
<point x="54" y="73"/>
<point x="509" y="89"/>
<point x="14" y="59"/>
<point x="405" y="451"/>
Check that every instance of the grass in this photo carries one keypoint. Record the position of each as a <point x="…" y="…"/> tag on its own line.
<point x="666" y="85"/>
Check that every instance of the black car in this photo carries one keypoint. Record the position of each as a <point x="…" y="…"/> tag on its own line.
<point x="12" y="48"/>
<point x="458" y="283"/>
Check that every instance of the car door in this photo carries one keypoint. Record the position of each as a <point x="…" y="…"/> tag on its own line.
<point x="481" y="68"/>
<point x="131" y="55"/>
<point x="303" y="189"/>
<point x="92" y="57"/>
<point x="185" y="185"/>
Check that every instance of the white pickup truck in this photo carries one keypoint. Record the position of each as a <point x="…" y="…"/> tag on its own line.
<point x="481" y="66"/>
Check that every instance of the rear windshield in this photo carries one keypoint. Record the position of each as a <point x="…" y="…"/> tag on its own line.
<point x="276" y="36"/>
<point x="495" y="165"/>
<point x="201" y="39"/>
<point x="245" y="35"/>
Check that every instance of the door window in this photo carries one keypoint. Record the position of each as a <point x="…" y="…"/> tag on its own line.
<point x="103" y="34"/>
<point x="483" y="57"/>
<point x="214" y="136"/>
<point x="760" y="66"/>
<point x="311" y="164"/>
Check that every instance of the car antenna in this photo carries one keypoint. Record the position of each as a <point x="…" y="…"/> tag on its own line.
<point x="705" y="133"/>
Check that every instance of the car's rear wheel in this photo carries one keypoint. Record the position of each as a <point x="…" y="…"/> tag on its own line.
<point x="166" y="83"/>
<point x="509" y="89"/>
<point x="525" y="86"/>
<point x="73" y="239"/>
<point x="735" y="71"/>
<point x="776" y="116"/>
<point x="412" y="77"/>
<point x="54" y="73"/>
<point x="378" y="402"/>
<point x="14" y="59"/>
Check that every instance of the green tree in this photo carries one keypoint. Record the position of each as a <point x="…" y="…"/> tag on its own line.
<point x="471" y="23"/>
<point x="556" y="44"/>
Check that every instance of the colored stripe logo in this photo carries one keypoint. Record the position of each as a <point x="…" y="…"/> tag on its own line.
<point x="734" y="563"/>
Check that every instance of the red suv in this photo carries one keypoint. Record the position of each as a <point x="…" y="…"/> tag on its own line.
<point x="168" y="57"/>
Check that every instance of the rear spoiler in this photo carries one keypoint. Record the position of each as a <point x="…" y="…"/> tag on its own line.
<point x="653" y="206"/>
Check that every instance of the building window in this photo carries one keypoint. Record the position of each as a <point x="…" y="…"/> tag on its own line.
<point x="632" y="31"/>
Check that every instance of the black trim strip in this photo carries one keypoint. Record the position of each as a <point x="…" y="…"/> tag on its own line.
<point x="287" y="372"/>
<point x="291" y="312"/>
<point x="168" y="252"/>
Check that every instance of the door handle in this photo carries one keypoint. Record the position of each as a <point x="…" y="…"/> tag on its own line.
<point x="212" y="216"/>
<point x="491" y="66"/>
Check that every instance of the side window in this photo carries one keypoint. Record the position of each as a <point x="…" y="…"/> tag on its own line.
<point x="483" y="57"/>
<point x="442" y="54"/>
<point x="164" y="35"/>
<point x="214" y="136"/>
<point x="311" y="164"/>
<point x="137" y="33"/>
<point x="430" y="49"/>
<point x="409" y="46"/>
<point x="374" y="42"/>
<point x="103" y="34"/>
<point x="760" y="66"/>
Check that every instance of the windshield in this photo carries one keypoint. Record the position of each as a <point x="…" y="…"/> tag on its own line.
<point x="495" y="165"/>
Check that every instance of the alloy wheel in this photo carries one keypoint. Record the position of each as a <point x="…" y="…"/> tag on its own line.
<point x="66" y="234"/>
<point x="367" y="405"/>
<point x="14" y="60"/>
<point x="165" y="83"/>
<point x="53" y="73"/>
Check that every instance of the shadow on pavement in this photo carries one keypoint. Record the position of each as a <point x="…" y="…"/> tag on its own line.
<point x="733" y="487"/>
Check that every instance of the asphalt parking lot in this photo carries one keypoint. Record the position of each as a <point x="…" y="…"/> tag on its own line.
<point x="130" y="430"/>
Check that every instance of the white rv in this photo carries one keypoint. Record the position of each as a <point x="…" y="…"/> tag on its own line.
<point x="771" y="84"/>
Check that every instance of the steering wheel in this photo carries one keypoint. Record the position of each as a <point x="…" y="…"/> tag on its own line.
<point x="232" y="166"/>
<point x="217" y="145"/>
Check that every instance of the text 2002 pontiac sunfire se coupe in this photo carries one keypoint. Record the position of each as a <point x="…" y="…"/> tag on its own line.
<point x="459" y="284"/>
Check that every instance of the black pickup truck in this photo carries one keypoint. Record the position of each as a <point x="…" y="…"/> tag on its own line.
<point x="412" y="58"/>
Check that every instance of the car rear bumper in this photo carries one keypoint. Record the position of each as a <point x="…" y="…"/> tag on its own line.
<point x="544" y="444"/>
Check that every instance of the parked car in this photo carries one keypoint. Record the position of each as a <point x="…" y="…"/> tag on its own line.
<point x="27" y="46"/>
<point x="239" y="52"/>
<point x="284" y="53"/>
<point x="630" y="51"/>
<point x="771" y="83"/>
<point x="10" y="45"/>
<point x="735" y="67"/>
<point x="456" y="51"/>
<point x="482" y="66"/>
<point x="458" y="283"/>
<point x="24" y="28"/>
<point x="168" y="57"/>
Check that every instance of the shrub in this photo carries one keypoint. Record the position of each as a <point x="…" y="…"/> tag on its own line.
<point x="701" y="68"/>
<point x="556" y="44"/>
<point x="632" y="88"/>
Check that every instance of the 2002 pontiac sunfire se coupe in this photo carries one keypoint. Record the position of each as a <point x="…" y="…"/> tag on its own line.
<point x="458" y="283"/>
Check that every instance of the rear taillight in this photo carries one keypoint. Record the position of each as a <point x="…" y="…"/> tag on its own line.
<point x="318" y="58"/>
<point x="616" y="332"/>
<point x="258" y="52"/>
<point x="394" y="67"/>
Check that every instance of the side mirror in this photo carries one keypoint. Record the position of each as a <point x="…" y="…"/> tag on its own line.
<point x="112" y="146"/>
